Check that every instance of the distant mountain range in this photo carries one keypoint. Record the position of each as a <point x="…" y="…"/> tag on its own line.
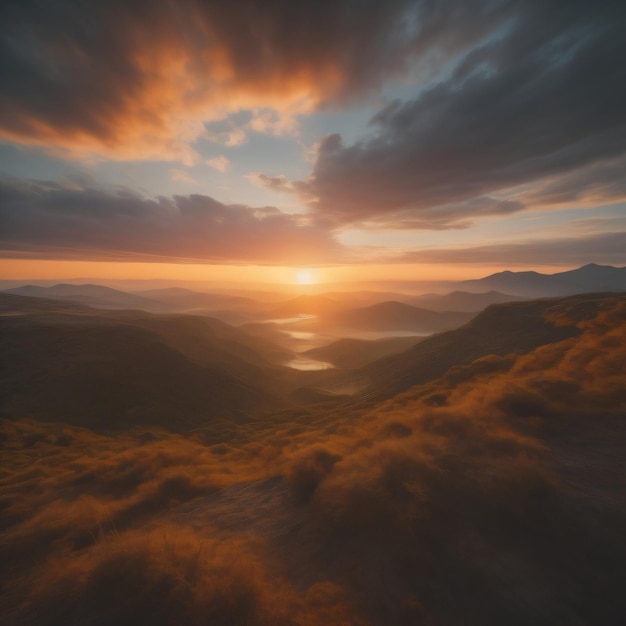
<point x="93" y="295"/>
<point x="232" y="309"/>
<point x="179" y="298"/>
<point x="590" y="278"/>
<point x="468" y="296"/>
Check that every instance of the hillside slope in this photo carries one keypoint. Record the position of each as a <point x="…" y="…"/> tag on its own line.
<point x="398" y="316"/>
<point x="115" y="369"/>
<point x="463" y="301"/>
<point x="357" y="352"/>
<point x="501" y="329"/>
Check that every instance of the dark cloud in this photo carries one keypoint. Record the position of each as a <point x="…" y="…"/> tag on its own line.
<point x="599" y="182"/>
<point x="520" y="104"/>
<point x="541" y="99"/>
<point x="55" y="221"/>
<point x="567" y="251"/>
<point x="447" y="216"/>
<point x="137" y="78"/>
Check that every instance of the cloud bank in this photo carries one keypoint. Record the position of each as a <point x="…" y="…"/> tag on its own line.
<point x="80" y="221"/>
<point x="533" y="115"/>
<point x="54" y="221"/>
<point x="137" y="80"/>
<point x="510" y="106"/>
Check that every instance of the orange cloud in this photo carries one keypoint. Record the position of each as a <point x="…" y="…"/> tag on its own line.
<point x="138" y="82"/>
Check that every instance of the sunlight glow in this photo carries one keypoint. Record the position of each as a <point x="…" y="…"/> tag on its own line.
<point x="305" y="277"/>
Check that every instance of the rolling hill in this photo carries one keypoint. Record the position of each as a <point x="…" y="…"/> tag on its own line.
<point x="398" y="316"/>
<point x="121" y="368"/>
<point x="517" y="327"/>
<point x="349" y="353"/>
<point x="97" y="296"/>
<point x="586" y="279"/>
<point x="463" y="301"/>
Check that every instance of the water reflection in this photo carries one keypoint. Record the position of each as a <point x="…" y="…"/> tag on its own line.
<point x="305" y="364"/>
<point x="300" y="335"/>
<point x="290" y="320"/>
<point x="313" y="337"/>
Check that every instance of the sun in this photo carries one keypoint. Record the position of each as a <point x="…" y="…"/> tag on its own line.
<point x="305" y="277"/>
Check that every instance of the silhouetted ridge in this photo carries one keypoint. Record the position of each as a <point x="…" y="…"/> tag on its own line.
<point x="591" y="278"/>
<point x="93" y="295"/>
<point x="464" y="301"/>
<point x="500" y="329"/>
<point x="393" y="315"/>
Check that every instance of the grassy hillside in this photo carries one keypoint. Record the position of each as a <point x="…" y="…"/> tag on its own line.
<point x="501" y="329"/>
<point x="117" y="369"/>
<point x="492" y="493"/>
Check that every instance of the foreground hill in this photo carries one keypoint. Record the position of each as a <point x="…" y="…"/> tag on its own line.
<point x="517" y="327"/>
<point x="121" y="368"/>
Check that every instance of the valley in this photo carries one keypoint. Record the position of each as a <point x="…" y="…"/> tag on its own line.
<point x="178" y="452"/>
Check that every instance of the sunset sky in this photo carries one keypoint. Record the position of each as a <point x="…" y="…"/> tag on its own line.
<point x="356" y="139"/>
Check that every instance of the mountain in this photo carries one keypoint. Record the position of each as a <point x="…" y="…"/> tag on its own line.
<point x="112" y="369"/>
<point x="349" y="353"/>
<point x="398" y="316"/>
<point x="590" y="278"/>
<point x="501" y="329"/>
<point x="93" y="295"/>
<point x="232" y="309"/>
<point x="463" y="301"/>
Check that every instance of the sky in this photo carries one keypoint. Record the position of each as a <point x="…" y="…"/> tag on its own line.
<point x="354" y="139"/>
